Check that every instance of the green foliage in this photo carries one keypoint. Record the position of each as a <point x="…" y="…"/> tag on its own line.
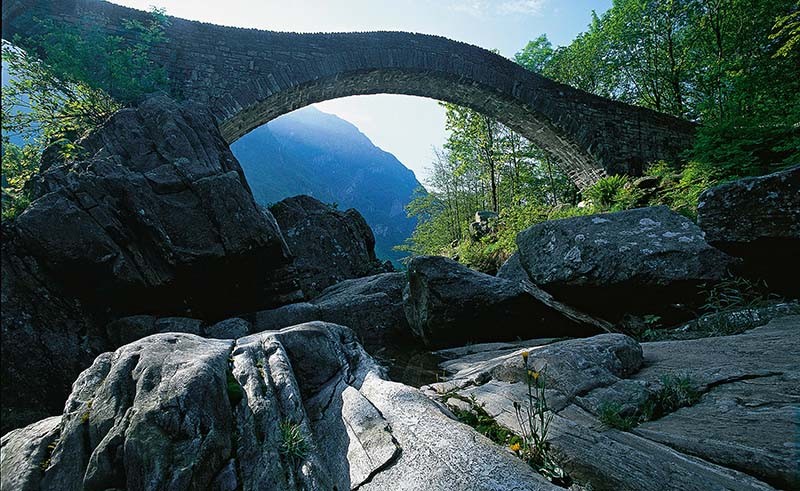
<point x="119" y="65"/>
<point x="534" y="417"/>
<point x="294" y="443"/>
<point x="729" y="64"/>
<point x="235" y="391"/>
<point x="483" y="166"/>
<point x="680" y="188"/>
<point x="787" y="32"/>
<point x="611" y="415"/>
<point x="480" y="256"/>
<point x="676" y="391"/>
<point x="613" y="193"/>
<point x="536" y="55"/>
<point x="477" y="417"/>
<point x="19" y="166"/>
<point x="673" y="393"/>
<point x="43" y="109"/>
<point x="736" y="293"/>
<point x="59" y="102"/>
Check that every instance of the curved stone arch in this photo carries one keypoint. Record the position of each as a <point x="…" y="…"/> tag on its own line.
<point x="250" y="76"/>
<point x="236" y="119"/>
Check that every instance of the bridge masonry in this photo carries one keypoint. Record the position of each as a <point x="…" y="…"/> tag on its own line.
<point x="249" y="77"/>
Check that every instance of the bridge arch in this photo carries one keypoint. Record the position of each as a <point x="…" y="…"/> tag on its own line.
<point x="249" y="77"/>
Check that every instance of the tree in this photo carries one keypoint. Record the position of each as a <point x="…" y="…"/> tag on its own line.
<point x="536" y="55"/>
<point x="60" y="102"/>
<point x="728" y="64"/>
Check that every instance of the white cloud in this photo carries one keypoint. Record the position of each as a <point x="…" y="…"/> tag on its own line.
<point x="480" y="8"/>
<point x="529" y="7"/>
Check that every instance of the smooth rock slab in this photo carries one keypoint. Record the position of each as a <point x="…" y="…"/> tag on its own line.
<point x="740" y="435"/>
<point x="177" y="411"/>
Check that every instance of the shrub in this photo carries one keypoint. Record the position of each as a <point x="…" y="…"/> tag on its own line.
<point x="294" y="443"/>
<point x="735" y="293"/>
<point x="235" y="391"/>
<point x="676" y="391"/>
<point x="610" y="414"/>
<point x="613" y="193"/>
<point x="477" y="417"/>
<point x="19" y="166"/>
<point x="534" y="417"/>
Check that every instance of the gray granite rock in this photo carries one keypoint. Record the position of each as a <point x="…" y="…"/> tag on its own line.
<point x="177" y="411"/>
<point x="739" y="435"/>
<point x="371" y="306"/>
<point x="448" y="304"/>
<point x="228" y="329"/>
<point x="25" y="451"/>
<point x="328" y="245"/>
<point x="157" y="211"/>
<point x="647" y="260"/>
<point x="155" y="218"/>
<point x="758" y="219"/>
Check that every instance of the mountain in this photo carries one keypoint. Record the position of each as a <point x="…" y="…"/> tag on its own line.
<point x="324" y="156"/>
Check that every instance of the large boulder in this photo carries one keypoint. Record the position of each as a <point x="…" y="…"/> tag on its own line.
<point x="738" y="435"/>
<point x="154" y="218"/>
<point x="371" y="306"/>
<point x="758" y="219"/>
<point x="303" y="408"/>
<point x="48" y="337"/>
<point x="448" y="304"/>
<point x="157" y="217"/>
<point x="642" y="261"/>
<point x="329" y="245"/>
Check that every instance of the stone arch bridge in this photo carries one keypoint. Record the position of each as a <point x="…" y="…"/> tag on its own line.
<point x="250" y="77"/>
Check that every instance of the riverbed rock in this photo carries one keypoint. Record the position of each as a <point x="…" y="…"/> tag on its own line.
<point x="448" y="304"/>
<point x="758" y="219"/>
<point x="642" y="261"/>
<point x="233" y="328"/>
<point x="48" y="337"/>
<point x="155" y="213"/>
<point x="371" y="306"/>
<point x="182" y="412"/>
<point x="153" y="218"/>
<point x="739" y="435"/>
<point x="329" y="245"/>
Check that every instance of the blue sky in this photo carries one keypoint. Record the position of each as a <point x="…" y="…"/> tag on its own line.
<point x="405" y="126"/>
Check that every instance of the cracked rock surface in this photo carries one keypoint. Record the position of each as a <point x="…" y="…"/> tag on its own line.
<point x="155" y="211"/>
<point x="177" y="411"/>
<point x="740" y="435"/>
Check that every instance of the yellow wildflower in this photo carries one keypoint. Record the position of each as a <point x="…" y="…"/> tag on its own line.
<point x="535" y="375"/>
<point x="514" y="447"/>
<point x="525" y="355"/>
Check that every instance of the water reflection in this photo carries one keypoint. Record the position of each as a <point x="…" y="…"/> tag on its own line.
<point x="412" y="367"/>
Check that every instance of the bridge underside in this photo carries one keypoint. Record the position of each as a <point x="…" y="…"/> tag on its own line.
<point x="250" y="107"/>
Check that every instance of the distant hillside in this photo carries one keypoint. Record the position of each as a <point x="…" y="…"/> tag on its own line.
<point x="319" y="154"/>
